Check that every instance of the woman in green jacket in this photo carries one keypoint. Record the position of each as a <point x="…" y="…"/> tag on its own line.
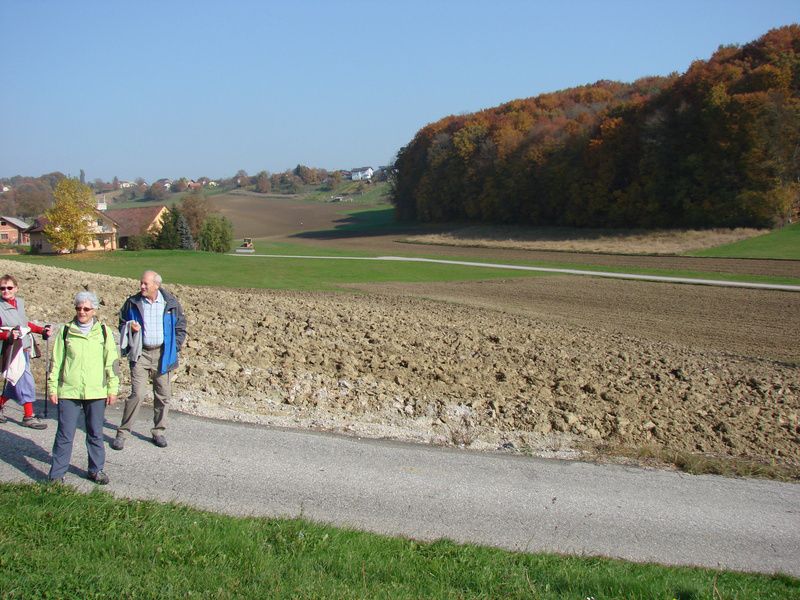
<point x="82" y="377"/>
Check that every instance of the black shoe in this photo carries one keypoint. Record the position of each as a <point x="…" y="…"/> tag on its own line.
<point x="160" y="441"/>
<point x="100" y="478"/>
<point x="118" y="443"/>
<point x="60" y="480"/>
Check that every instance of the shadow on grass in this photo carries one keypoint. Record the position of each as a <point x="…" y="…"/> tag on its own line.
<point x="364" y="224"/>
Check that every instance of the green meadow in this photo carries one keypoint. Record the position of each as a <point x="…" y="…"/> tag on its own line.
<point x="58" y="543"/>
<point x="781" y="243"/>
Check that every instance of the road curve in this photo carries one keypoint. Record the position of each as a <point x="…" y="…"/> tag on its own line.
<point x="514" y="502"/>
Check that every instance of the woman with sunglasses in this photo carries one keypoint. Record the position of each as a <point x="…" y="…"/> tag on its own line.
<point x="15" y="325"/>
<point x="83" y="378"/>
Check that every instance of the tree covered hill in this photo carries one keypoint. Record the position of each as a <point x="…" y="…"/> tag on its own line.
<point x="716" y="146"/>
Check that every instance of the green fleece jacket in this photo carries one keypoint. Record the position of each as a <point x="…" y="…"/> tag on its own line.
<point x="83" y="367"/>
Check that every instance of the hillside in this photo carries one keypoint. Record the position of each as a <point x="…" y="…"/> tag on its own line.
<point x="716" y="146"/>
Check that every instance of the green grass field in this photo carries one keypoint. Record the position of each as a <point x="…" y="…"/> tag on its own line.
<point x="201" y="268"/>
<point x="243" y="271"/>
<point x="58" y="543"/>
<point x="782" y="244"/>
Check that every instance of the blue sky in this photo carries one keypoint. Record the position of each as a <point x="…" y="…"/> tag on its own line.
<point x="175" y="88"/>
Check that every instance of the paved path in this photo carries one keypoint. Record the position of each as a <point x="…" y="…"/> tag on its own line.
<point x="514" y="502"/>
<point x="557" y="271"/>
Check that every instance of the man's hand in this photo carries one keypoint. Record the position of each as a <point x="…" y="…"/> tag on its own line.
<point x="53" y="398"/>
<point x="135" y="326"/>
<point x="111" y="399"/>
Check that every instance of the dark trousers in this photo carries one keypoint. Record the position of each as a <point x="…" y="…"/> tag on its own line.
<point x="68" y="413"/>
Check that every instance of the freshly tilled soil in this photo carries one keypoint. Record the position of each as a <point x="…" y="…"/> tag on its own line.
<point x="398" y="366"/>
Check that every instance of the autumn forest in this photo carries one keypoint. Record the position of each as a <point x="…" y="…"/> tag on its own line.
<point x="717" y="146"/>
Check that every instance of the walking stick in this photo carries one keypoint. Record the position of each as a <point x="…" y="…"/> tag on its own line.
<point x="46" y="371"/>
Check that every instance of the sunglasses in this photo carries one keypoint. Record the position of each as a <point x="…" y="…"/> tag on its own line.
<point x="83" y="309"/>
<point x="6" y="287"/>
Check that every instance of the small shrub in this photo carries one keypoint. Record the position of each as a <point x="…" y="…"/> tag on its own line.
<point x="139" y="242"/>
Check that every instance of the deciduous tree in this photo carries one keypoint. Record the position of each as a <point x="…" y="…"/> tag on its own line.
<point x="70" y="220"/>
<point x="195" y="208"/>
<point x="217" y="234"/>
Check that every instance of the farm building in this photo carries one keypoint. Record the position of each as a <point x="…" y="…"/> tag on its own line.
<point x="14" y="231"/>
<point x="104" y="234"/>
<point x="362" y="173"/>
<point x="142" y="220"/>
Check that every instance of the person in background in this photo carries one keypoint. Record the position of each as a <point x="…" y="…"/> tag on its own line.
<point x="82" y="378"/>
<point x="15" y="326"/>
<point x="157" y="318"/>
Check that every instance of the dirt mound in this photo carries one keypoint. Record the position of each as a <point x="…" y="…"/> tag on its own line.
<point x="436" y="372"/>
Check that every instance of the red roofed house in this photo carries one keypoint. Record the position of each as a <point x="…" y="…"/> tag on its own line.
<point x="142" y="220"/>
<point x="104" y="234"/>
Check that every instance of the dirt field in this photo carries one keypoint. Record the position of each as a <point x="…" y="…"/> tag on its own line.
<point x="552" y="366"/>
<point x="438" y="372"/>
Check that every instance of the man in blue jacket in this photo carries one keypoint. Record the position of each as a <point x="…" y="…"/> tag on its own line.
<point x="155" y="318"/>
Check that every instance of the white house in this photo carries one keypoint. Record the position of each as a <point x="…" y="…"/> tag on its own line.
<point x="361" y="173"/>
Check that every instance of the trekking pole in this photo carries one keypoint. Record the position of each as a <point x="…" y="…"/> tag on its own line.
<point x="46" y="371"/>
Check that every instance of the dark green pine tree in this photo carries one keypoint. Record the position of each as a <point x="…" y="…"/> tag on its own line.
<point x="168" y="238"/>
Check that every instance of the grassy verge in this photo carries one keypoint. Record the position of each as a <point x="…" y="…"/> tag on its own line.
<point x="782" y="244"/>
<point x="701" y="464"/>
<point x="59" y="543"/>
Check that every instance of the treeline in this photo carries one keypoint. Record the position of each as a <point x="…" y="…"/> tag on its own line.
<point x="717" y="146"/>
<point x="28" y="196"/>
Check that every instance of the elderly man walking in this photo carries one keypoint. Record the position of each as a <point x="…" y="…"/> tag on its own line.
<point x="152" y="332"/>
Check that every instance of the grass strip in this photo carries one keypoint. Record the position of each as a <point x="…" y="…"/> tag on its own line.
<point x="59" y="543"/>
<point x="782" y="243"/>
<point x="701" y="464"/>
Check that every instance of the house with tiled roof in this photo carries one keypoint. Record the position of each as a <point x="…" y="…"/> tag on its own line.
<point x="103" y="229"/>
<point x="14" y="231"/>
<point x="142" y="220"/>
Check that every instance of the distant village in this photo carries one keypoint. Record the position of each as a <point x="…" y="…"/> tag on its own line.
<point x="113" y="227"/>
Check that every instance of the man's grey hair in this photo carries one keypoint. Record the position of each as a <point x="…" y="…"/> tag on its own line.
<point x="83" y="297"/>
<point x="156" y="277"/>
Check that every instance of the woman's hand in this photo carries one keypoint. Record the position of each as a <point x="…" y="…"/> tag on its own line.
<point x="111" y="399"/>
<point x="53" y="398"/>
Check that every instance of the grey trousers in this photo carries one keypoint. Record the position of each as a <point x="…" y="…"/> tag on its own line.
<point x="68" y="413"/>
<point x="143" y="371"/>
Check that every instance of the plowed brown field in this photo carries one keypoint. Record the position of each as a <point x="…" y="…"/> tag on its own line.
<point x="543" y="365"/>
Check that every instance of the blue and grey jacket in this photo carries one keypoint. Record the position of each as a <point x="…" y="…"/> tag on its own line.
<point x="174" y="326"/>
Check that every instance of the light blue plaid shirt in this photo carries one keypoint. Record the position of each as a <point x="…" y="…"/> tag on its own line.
<point x="153" y="317"/>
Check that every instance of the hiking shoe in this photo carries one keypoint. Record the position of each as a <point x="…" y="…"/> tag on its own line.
<point x="61" y="480"/>
<point x="118" y="443"/>
<point x="100" y="478"/>
<point x="33" y="423"/>
<point x="160" y="441"/>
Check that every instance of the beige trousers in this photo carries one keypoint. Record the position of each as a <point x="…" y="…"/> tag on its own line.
<point x="143" y="372"/>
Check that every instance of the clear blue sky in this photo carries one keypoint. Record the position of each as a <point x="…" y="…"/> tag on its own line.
<point x="174" y="88"/>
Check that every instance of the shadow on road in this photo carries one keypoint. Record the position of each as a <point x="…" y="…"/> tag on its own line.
<point x="22" y="454"/>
